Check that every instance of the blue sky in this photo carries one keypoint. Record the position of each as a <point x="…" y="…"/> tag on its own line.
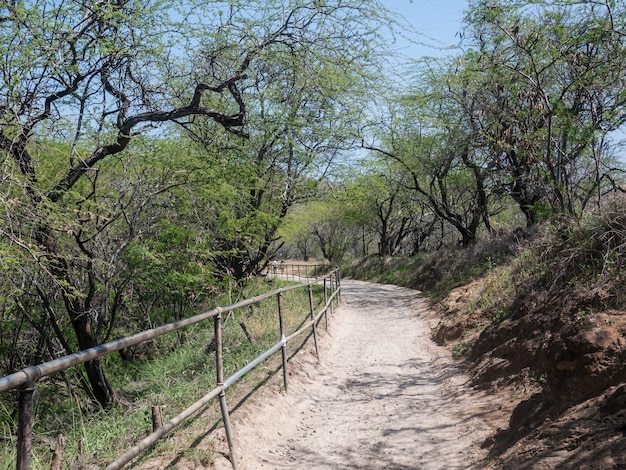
<point x="435" y="20"/>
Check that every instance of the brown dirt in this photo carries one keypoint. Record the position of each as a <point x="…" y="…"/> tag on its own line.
<point x="564" y="371"/>
<point x="384" y="396"/>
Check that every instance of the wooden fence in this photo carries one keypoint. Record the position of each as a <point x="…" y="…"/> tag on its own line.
<point x="25" y="380"/>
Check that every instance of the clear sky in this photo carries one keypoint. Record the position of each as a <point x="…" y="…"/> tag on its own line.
<point x="435" y="20"/>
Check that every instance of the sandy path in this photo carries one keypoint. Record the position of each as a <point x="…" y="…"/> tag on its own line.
<point x="384" y="396"/>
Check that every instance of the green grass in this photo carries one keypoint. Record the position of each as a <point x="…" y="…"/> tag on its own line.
<point x="174" y="372"/>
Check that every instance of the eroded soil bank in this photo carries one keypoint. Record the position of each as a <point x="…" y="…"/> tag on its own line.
<point x="563" y="369"/>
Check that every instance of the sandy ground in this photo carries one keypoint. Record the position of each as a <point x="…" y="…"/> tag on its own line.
<point x="383" y="396"/>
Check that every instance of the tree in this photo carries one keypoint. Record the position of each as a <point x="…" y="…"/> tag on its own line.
<point x="96" y="75"/>
<point x="296" y="233"/>
<point x="167" y="260"/>
<point x="304" y="104"/>
<point x="329" y="229"/>
<point x="377" y="199"/>
<point x="545" y="93"/>
<point x="433" y="161"/>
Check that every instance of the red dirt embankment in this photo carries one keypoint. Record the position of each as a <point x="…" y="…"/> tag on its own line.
<point x="563" y="367"/>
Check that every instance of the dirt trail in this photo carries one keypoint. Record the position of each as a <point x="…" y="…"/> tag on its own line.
<point x="383" y="397"/>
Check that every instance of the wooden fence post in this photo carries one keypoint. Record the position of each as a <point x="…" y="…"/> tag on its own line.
<point x="157" y="418"/>
<point x="25" y="426"/>
<point x="283" y="349"/>
<point x="219" y="368"/>
<point x="325" y="306"/>
<point x="331" y="288"/>
<point x="57" y="453"/>
<point x="338" y="282"/>
<point x="312" y="310"/>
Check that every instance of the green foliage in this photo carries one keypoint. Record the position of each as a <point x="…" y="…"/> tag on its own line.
<point x="296" y="233"/>
<point x="566" y="267"/>
<point x="500" y="315"/>
<point x="537" y="71"/>
<point x="440" y="271"/>
<point x="123" y="222"/>
<point x="461" y="349"/>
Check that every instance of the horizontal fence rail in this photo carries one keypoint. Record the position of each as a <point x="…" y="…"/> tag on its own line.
<point x="25" y="380"/>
